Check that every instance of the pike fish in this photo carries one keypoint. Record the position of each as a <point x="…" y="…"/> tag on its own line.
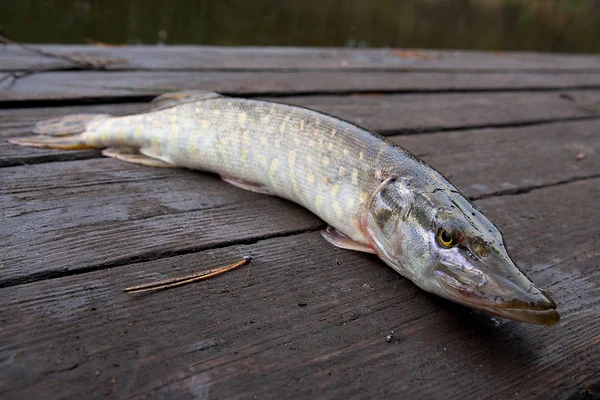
<point x="376" y="197"/>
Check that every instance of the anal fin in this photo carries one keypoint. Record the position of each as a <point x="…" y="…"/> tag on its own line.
<point x="340" y="240"/>
<point x="135" y="157"/>
<point x="250" y="186"/>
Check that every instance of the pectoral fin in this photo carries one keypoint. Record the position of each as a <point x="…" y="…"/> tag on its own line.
<point x="250" y="186"/>
<point x="340" y="240"/>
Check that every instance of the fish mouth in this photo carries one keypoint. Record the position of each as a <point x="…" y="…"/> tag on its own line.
<point x="498" y="295"/>
<point x="532" y="316"/>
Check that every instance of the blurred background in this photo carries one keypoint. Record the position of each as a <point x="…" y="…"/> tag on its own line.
<point x="542" y="25"/>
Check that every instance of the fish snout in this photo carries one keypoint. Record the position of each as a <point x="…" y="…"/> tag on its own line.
<point x="508" y="295"/>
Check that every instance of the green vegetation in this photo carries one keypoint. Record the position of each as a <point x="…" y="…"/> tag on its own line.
<point x="543" y="25"/>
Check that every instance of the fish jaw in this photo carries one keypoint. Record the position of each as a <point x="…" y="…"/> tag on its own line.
<point x="403" y="224"/>
<point x="493" y="292"/>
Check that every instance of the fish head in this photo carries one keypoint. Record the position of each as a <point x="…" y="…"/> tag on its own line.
<point x="444" y="244"/>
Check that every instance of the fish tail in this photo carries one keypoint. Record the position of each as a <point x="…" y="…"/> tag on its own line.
<point x="64" y="133"/>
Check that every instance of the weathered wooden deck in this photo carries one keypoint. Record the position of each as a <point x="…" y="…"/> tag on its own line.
<point x="518" y="133"/>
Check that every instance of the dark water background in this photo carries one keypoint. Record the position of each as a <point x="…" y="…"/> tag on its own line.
<point x="543" y="25"/>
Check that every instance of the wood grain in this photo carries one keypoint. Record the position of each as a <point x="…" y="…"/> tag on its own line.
<point x="385" y="114"/>
<point x="413" y="113"/>
<point x="97" y="213"/>
<point x="113" y="84"/>
<point x="308" y="320"/>
<point x="90" y="214"/>
<point x="395" y="113"/>
<point x="516" y="131"/>
<point x="298" y="58"/>
<point x="484" y="162"/>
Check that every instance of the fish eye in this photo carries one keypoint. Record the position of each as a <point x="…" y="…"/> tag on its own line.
<point x="445" y="239"/>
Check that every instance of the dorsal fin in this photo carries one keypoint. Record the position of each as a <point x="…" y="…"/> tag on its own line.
<point x="173" y="99"/>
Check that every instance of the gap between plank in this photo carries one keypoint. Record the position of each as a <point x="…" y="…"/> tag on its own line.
<point x="109" y="100"/>
<point x="527" y="189"/>
<point x="333" y="70"/>
<point x="66" y="157"/>
<point x="151" y="256"/>
<point x="499" y="125"/>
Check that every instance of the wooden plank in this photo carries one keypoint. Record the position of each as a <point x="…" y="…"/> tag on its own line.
<point x="308" y="320"/>
<point x="101" y="212"/>
<point x="21" y="120"/>
<point x="487" y="161"/>
<point x="297" y="58"/>
<point x="18" y="122"/>
<point x="393" y="114"/>
<point x="98" y="84"/>
<point x="104" y="212"/>
<point x="388" y="114"/>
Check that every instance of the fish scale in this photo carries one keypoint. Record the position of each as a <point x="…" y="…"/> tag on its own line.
<point x="375" y="196"/>
<point x="297" y="153"/>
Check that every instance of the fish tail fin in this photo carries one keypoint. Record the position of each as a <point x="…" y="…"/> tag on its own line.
<point x="62" y="133"/>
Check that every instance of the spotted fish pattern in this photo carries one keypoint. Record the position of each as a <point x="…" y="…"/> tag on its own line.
<point x="375" y="196"/>
<point x="321" y="162"/>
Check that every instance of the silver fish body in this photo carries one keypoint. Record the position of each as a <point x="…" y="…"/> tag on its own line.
<point x="377" y="196"/>
<point x="325" y="164"/>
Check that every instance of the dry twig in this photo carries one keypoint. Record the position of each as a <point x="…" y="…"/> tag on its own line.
<point x="184" y="280"/>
